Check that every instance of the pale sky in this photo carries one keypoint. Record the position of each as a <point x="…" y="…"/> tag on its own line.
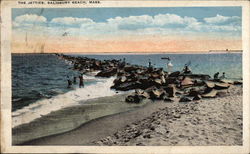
<point x="167" y="29"/>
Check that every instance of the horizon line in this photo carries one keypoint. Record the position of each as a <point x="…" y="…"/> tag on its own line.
<point x="136" y="52"/>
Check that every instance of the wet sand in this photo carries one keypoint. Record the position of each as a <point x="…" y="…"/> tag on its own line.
<point x="72" y="117"/>
<point x="215" y="121"/>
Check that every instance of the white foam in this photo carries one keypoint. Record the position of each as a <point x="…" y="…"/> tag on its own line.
<point x="71" y="98"/>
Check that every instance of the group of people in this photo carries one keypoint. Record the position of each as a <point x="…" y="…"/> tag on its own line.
<point x="81" y="83"/>
<point x="216" y="75"/>
<point x="185" y="70"/>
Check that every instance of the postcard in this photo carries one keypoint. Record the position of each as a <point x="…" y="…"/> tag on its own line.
<point x="95" y="76"/>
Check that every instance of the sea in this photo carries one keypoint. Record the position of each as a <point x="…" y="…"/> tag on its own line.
<point x="39" y="81"/>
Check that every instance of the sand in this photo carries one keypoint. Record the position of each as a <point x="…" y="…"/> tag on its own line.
<point x="72" y="117"/>
<point x="216" y="121"/>
<point x="210" y="122"/>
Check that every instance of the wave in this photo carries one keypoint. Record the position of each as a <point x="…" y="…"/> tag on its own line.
<point x="74" y="97"/>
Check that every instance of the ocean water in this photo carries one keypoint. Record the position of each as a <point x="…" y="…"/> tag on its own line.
<point x="39" y="81"/>
<point x="38" y="76"/>
<point x="210" y="63"/>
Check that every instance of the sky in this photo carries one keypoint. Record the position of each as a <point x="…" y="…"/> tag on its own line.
<point x="164" y="29"/>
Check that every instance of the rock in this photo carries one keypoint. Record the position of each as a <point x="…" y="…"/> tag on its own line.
<point x="211" y="94"/>
<point x="142" y="93"/>
<point x="107" y="73"/>
<point x="178" y="92"/>
<point x="133" y="99"/>
<point x="120" y="80"/>
<point x="158" y="81"/>
<point x="197" y="91"/>
<point x="170" y="90"/>
<point x="121" y="73"/>
<point x="97" y="65"/>
<point x="193" y="92"/>
<point x="123" y="78"/>
<point x="187" y="82"/>
<point x="155" y="75"/>
<point x="145" y="95"/>
<point x="130" y="68"/>
<point x="222" y="93"/>
<point x="146" y="83"/>
<point x="184" y="99"/>
<point x="167" y="99"/>
<point x="199" y="76"/>
<point x="127" y="86"/>
<point x="210" y="84"/>
<point x="197" y="97"/>
<point x="227" y="81"/>
<point x="170" y="80"/>
<point x="199" y="83"/>
<point x="157" y="93"/>
<point x="238" y="82"/>
<point x="219" y="86"/>
<point x="175" y="74"/>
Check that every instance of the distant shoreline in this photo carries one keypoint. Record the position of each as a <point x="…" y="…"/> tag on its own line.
<point x="140" y="53"/>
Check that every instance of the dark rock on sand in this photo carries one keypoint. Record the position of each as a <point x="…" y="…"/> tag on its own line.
<point x="133" y="99"/>
<point x="211" y="94"/>
<point x="170" y="90"/>
<point x="238" y="82"/>
<point x="156" y="93"/>
<point x="185" y="99"/>
<point x="127" y="86"/>
<point x="197" y="97"/>
<point x="219" y="86"/>
<point x="107" y="73"/>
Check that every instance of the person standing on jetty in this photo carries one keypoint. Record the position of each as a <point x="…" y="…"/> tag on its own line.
<point x="74" y="80"/>
<point x="69" y="82"/>
<point x="216" y="75"/>
<point x="223" y="76"/>
<point x="186" y="69"/>
<point x="150" y="65"/>
<point x="81" y="84"/>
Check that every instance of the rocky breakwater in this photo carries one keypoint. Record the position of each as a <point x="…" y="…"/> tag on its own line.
<point x="156" y="84"/>
<point x="153" y="83"/>
<point x="107" y="68"/>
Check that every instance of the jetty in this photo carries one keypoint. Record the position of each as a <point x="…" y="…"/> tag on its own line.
<point x="153" y="83"/>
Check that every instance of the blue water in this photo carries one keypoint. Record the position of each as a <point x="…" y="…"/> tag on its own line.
<point x="230" y="63"/>
<point x="39" y="76"/>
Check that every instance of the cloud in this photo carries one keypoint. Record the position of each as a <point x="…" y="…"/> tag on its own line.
<point x="223" y="20"/>
<point x="70" y="21"/>
<point x="28" y="20"/>
<point x="131" y="22"/>
<point x="161" y="24"/>
<point x="169" y="19"/>
<point x="146" y="21"/>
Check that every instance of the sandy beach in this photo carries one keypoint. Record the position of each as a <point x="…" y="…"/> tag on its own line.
<point x="216" y="121"/>
<point x="71" y="118"/>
